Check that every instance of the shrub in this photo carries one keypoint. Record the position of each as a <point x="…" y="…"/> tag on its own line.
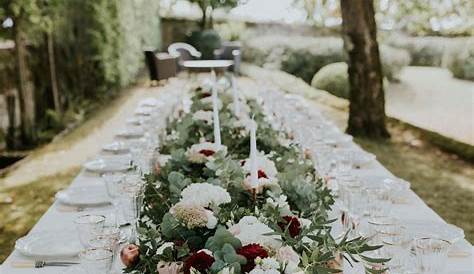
<point x="206" y="42"/>
<point x="460" y="61"/>
<point x="304" y="56"/>
<point x="334" y="79"/>
<point x="425" y="51"/>
<point x="393" y="61"/>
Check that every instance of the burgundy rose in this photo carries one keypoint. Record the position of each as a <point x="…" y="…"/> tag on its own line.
<point x="200" y="261"/>
<point x="251" y="252"/>
<point x="262" y="174"/>
<point x="130" y="255"/>
<point x="293" y="224"/>
<point x="207" y="152"/>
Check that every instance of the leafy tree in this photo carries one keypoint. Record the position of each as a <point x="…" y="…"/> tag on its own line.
<point x="207" y="7"/>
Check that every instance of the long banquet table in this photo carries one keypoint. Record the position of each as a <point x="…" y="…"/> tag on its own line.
<point x="56" y="219"/>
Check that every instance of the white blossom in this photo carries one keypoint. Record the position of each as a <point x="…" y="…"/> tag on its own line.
<point x="205" y="194"/>
<point x="203" y="152"/>
<point x="249" y="230"/>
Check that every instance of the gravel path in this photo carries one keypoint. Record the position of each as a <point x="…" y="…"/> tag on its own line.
<point x="56" y="161"/>
<point x="430" y="98"/>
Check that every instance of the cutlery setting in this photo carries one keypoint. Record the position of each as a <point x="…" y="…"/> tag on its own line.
<point x="41" y="264"/>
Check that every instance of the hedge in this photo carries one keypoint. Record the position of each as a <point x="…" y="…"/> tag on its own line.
<point x="304" y="56"/>
<point x="460" y="61"/>
<point x="427" y="50"/>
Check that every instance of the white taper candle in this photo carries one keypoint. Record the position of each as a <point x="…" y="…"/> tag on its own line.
<point x="253" y="155"/>
<point x="215" y="116"/>
<point x="236" y="97"/>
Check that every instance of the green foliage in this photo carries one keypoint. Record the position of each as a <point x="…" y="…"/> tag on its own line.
<point x="221" y="238"/>
<point x="206" y="42"/>
<point x="460" y="61"/>
<point x="231" y="31"/>
<point x="97" y="49"/>
<point x="333" y="78"/>
<point x="426" y="51"/>
<point x="304" y="56"/>
<point x="393" y="61"/>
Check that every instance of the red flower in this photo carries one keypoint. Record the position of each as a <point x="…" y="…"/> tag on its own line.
<point x="200" y="261"/>
<point x="262" y="174"/>
<point x="251" y="252"/>
<point x="294" y="225"/>
<point x="207" y="152"/>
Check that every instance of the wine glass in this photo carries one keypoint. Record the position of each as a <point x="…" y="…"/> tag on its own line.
<point x="96" y="260"/>
<point x="131" y="202"/>
<point x="431" y="255"/>
<point x="112" y="181"/>
<point x="88" y="226"/>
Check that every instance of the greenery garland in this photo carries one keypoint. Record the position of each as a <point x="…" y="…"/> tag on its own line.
<point x="298" y="223"/>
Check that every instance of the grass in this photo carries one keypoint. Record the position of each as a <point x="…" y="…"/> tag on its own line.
<point x="444" y="181"/>
<point x="30" y="202"/>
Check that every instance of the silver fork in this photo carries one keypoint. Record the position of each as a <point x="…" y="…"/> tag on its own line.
<point x="41" y="264"/>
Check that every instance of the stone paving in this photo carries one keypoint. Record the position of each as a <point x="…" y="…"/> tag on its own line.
<point x="430" y="98"/>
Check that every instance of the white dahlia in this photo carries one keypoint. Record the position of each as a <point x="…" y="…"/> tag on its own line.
<point x="205" y="195"/>
<point x="203" y="152"/>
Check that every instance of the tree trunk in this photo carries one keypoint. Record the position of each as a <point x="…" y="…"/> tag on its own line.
<point x="367" y="102"/>
<point x="52" y="71"/>
<point x="25" y="91"/>
<point x="204" y="17"/>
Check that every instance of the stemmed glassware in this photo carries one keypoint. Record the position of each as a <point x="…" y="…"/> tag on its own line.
<point x="431" y="255"/>
<point x="88" y="226"/>
<point x="131" y="202"/>
<point x="97" y="260"/>
<point x="113" y="181"/>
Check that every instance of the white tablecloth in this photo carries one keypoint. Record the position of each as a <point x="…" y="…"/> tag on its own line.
<point x="55" y="219"/>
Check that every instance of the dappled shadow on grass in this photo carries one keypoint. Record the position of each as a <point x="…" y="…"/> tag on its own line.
<point x="443" y="181"/>
<point x="29" y="203"/>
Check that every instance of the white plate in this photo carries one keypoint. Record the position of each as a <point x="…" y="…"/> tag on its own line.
<point x="144" y="111"/>
<point x="148" y="102"/>
<point x="131" y="133"/>
<point x="116" y="147"/>
<point x="84" y="196"/>
<point x="50" y="244"/>
<point x="103" y="165"/>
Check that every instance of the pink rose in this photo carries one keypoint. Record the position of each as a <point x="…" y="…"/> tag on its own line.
<point x="287" y="254"/>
